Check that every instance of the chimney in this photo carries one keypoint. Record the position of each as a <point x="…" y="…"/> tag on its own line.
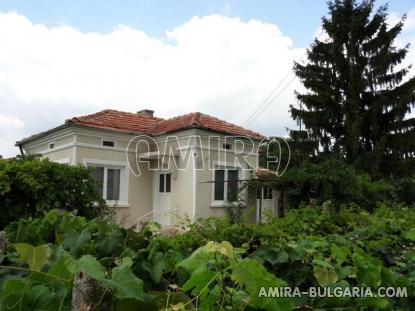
<point x="146" y="112"/>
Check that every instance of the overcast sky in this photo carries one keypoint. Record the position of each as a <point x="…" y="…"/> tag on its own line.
<point x="60" y="59"/>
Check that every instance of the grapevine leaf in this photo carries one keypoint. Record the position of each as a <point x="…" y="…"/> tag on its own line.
<point x="81" y="243"/>
<point x="369" y="269"/>
<point x="12" y="287"/>
<point x="34" y="256"/>
<point x="196" y="259"/>
<point x="125" y="284"/>
<point x="225" y="248"/>
<point x="156" y="266"/>
<point x="60" y="269"/>
<point x="87" y="264"/>
<point x="199" y="280"/>
<point x="339" y="253"/>
<point x="251" y="275"/>
<point x="208" y="301"/>
<point x="325" y="275"/>
<point x="410" y="235"/>
<point x="40" y="298"/>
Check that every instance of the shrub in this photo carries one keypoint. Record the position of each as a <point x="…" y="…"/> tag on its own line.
<point x="335" y="181"/>
<point x="30" y="186"/>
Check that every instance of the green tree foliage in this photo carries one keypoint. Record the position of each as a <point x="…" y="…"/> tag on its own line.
<point x="358" y="96"/>
<point x="335" y="181"/>
<point x="30" y="186"/>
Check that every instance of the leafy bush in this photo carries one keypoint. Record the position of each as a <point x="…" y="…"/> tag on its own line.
<point x="30" y="186"/>
<point x="212" y="264"/>
<point x="335" y="181"/>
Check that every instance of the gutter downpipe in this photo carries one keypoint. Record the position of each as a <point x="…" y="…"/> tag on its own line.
<point x="21" y="150"/>
<point x="194" y="154"/>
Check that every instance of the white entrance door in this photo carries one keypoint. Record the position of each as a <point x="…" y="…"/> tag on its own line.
<point x="264" y="203"/>
<point x="162" y="212"/>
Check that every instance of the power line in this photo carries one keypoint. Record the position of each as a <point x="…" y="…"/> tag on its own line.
<point x="269" y="99"/>
<point x="261" y="110"/>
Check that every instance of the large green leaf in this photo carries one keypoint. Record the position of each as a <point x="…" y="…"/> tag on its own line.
<point x="369" y="269"/>
<point x="79" y="243"/>
<point x="325" y="274"/>
<point x="339" y="253"/>
<point x="156" y="266"/>
<point x="20" y="295"/>
<point x="199" y="280"/>
<point x="410" y="235"/>
<point x="41" y="298"/>
<point x="34" y="256"/>
<point x="252" y="276"/>
<point x="87" y="264"/>
<point x="125" y="284"/>
<point x="60" y="269"/>
<point x="225" y="248"/>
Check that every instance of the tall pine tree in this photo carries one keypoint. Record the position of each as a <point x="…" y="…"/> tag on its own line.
<point x="358" y="95"/>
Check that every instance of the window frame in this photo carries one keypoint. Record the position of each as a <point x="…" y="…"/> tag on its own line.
<point x="265" y="190"/>
<point x="162" y="187"/>
<point x="226" y="168"/>
<point x="124" y="180"/>
<point x="51" y="145"/>
<point x="109" y="140"/>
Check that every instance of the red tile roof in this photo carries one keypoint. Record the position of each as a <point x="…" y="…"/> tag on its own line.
<point x="147" y="124"/>
<point x="118" y="120"/>
<point x="201" y="120"/>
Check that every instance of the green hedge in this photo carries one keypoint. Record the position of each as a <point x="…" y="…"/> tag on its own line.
<point x="30" y="186"/>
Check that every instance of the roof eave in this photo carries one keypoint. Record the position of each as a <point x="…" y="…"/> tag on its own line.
<point x="41" y="134"/>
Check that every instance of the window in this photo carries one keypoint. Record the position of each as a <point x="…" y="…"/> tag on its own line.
<point x="108" y="143"/>
<point x="165" y="183"/>
<point x="113" y="184"/>
<point x="51" y="145"/>
<point x="107" y="182"/>
<point x="230" y="191"/>
<point x="266" y="193"/>
<point x="98" y="175"/>
<point x="226" y="146"/>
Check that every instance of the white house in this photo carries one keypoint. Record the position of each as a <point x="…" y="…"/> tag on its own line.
<point x="153" y="168"/>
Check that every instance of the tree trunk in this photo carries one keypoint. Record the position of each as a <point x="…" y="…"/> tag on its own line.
<point x="88" y="294"/>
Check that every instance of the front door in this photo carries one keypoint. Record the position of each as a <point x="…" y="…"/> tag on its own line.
<point x="162" y="212"/>
<point x="265" y="203"/>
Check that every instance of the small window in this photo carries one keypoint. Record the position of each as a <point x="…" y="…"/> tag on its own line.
<point x="165" y="183"/>
<point x="51" y="145"/>
<point x="108" y="143"/>
<point x="226" y="146"/>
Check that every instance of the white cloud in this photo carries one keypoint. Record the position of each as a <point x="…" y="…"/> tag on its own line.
<point x="7" y="122"/>
<point x="215" y="64"/>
